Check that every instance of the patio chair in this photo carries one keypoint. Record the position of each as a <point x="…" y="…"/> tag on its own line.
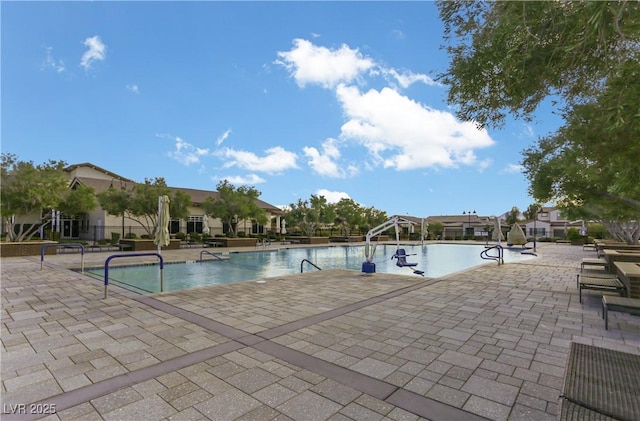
<point x="622" y="304"/>
<point x="600" y="384"/>
<point x="604" y="282"/>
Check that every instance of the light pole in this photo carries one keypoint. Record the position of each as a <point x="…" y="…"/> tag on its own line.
<point x="469" y="218"/>
<point x="535" y="230"/>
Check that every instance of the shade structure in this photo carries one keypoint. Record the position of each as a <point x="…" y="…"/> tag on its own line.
<point x="162" y="230"/>
<point x="516" y="236"/>
<point x="205" y="225"/>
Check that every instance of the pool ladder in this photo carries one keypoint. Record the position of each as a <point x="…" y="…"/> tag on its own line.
<point x="307" y="261"/>
<point x="217" y="256"/>
<point x="499" y="258"/>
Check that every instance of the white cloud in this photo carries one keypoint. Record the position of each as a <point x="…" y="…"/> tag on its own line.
<point x="223" y="137"/>
<point x="97" y="51"/>
<point x="403" y="134"/>
<point x="407" y="78"/>
<point x="184" y="152"/>
<point x="133" y="88"/>
<point x="310" y="64"/>
<point x="512" y="169"/>
<point x="276" y="160"/>
<point x="325" y="162"/>
<point x="250" y="179"/>
<point x="51" y="63"/>
<point x="332" y="196"/>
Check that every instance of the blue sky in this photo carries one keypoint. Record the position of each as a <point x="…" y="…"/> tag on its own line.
<point x="294" y="98"/>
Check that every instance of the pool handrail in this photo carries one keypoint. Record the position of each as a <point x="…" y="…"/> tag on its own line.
<point x="499" y="258"/>
<point x="310" y="262"/>
<point x="65" y="245"/>
<point x="115" y="256"/>
<point x="217" y="256"/>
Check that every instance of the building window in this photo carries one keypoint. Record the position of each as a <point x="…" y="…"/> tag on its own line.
<point x="194" y="224"/>
<point x="256" y="228"/>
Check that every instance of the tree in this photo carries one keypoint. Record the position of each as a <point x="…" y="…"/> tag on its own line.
<point x="29" y="189"/>
<point x="508" y="57"/>
<point x="513" y="216"/>
<point x="140" y="202"/>
<point x="310" y="214"/>
<point x="235" y="204"/>
<point x="436" y="229"/>
<point x="349" y="216"/>
<point x="532" y="211"/>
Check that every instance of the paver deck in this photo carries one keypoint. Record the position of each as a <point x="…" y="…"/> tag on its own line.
<point x="487" y="343"/>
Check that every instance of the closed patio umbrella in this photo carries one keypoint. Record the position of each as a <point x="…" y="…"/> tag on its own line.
<point x="283" y="229"/>
<point x="205" y="225"/>
<point x="497" y="231"/>
<point x="162" y="230"/>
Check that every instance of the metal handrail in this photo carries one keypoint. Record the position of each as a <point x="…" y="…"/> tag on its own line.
<point x="115" y="256"/>
<point x="499" y="258"/>
<point x="209" y="253"/>
<point x="310" y="262"/>
<point x="68" y="245"/>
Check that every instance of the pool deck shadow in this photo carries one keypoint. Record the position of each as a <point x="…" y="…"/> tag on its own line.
<point x="487" y="343"/>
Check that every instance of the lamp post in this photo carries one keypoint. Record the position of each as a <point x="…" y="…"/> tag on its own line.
<point x="535" y="231"/>
<point x="469" y="218"/>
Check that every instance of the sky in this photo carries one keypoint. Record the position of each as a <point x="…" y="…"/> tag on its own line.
<point x="335" y="99"/>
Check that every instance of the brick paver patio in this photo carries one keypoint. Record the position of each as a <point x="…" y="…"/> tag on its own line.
<point x="487" y="343"/>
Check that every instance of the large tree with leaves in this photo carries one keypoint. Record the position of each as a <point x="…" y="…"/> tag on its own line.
<point x="31" y="191"/>
<point x="509" y="57"/>
<point x="308" y="215"/>
<point x="233" y="204"/>
<point x="140" y="202"/>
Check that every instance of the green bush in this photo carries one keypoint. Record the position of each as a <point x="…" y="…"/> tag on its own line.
<point x="181" y="236"/>
<point x="130" y="235"/>
<point x="115" y="238"/>
<point x="195" y="237"/>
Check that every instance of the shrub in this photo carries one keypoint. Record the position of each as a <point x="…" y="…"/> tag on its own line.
<point x="181" y="236"/>
<point x="130" y="235"/>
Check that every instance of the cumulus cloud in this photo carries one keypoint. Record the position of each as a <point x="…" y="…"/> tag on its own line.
<point x="311" y="64"/>
<point x="332" y="196"/>
<point x="51" y="62"/>
<point x="275" y="160"/>
<point x="185" y="152"/>
<point x="325" y="162"/>
<point x="133" y="88"/>
<point x="97" y="51"/>
<point x="403" y="134"/>
<point x="250" y="179"/>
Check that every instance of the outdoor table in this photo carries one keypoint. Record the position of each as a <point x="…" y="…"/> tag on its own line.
<point x="629" y="274"/>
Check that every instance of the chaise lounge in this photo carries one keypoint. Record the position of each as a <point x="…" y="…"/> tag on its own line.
<point x="600" y="384"/>
<point x="604" y="282"/>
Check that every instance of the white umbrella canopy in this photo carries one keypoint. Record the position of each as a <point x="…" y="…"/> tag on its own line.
<point x="162" y="230"/>
<point x="205" y="225"/>
<point x="497" y="231"/>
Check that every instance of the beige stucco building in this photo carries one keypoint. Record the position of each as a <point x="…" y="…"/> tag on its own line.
<point x="98" y="224"/>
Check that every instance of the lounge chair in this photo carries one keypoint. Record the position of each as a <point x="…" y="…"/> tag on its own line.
<point x="600" y="384"/>
<point x="601" y="263"/>
<point x="603" y="282"/>
<point x="622" y="304"/>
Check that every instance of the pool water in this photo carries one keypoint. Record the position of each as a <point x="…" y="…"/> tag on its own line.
<point x="435" y="260"/>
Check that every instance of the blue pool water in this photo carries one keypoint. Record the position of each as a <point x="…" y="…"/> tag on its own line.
<point x="435" y="260"/>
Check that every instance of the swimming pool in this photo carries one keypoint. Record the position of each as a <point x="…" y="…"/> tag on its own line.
<point x="435" y="260"/>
